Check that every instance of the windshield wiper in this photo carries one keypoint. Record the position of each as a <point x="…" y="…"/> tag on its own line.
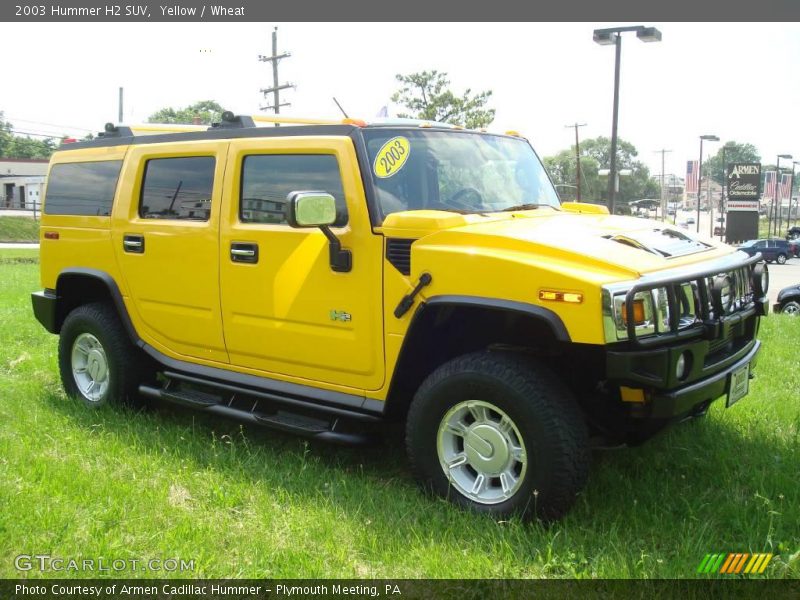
<point x="529" y="206"/>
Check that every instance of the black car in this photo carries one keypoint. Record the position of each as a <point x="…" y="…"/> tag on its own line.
<point x="773" y="249"/>
<point x="793" y="233"/>
<point x="788" y="301"/>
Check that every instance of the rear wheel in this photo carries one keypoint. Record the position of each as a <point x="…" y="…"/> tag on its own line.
<point x="498" y="434"/>
<point x="98" y="363"/>
<point x="791" y="308"/>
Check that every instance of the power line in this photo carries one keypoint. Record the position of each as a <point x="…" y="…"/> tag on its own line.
<point x="9" y="118"/>
<point x="55" y="137"/>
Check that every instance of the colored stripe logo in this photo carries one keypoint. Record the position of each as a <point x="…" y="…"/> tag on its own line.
<point x="734" y="563"/>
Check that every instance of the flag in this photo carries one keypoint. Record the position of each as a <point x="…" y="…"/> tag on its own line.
<point x="691" y="176"/>
<point x="785" y="182"/>
<point x="769" y="184"/>
<point x="383" y="112"/>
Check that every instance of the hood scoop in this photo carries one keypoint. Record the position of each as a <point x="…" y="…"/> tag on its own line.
<point x="668" y="243"/>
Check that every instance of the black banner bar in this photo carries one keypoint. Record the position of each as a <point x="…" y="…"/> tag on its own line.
<point x="408" y="10"/>
<point x="406" y="589"/>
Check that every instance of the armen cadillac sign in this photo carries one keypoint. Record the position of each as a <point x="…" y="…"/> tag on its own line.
<point x="744" y="186"/>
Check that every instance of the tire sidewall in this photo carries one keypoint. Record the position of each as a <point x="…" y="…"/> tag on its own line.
<point x="79" y="322"/>
<point x="440" y="397"/>
<point x="792" y="304"/>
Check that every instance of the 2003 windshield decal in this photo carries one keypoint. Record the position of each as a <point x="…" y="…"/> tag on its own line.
<point x="391" y="157"/>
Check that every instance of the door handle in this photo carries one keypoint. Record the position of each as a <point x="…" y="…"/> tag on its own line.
<point x="133" y="243"/>
<point x="244" y="252"/>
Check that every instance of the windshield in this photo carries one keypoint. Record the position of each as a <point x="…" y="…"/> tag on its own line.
<point x="415" y="169"/>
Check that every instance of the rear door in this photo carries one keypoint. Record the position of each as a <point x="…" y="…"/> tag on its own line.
<point x="286" y="311"/>
<point x="166" y="239"/>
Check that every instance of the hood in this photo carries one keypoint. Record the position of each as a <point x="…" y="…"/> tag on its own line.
<point x="626" y="247"/>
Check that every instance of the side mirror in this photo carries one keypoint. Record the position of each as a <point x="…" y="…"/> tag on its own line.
<point x="310" y="209"/>
<point x="318" y="209"/>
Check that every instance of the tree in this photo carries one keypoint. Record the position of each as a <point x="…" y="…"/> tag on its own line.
<point x="427" y="96"/>
<point x="595" y="155"/>
<point x="207" y="110"/>
<point x="15" y="146"/>
<point x="734" y="153"/>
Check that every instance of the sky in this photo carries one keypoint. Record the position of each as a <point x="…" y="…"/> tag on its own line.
<point x="738" y="81"/>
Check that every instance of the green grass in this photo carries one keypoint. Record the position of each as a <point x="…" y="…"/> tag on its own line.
<point x="252" y="503"/>
<point x="19" y="229"/>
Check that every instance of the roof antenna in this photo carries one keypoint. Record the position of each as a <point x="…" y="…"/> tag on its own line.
<point x="340" y="108"/>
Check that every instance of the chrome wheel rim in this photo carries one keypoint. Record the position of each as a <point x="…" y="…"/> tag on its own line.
<point x="89" y="367"/>
<point x="791" y="309"/>
<point x="481" y="452"/>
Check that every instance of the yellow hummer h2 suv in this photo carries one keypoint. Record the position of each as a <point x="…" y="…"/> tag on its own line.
<point x="328" y="278"/>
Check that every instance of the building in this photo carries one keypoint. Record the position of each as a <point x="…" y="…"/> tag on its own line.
<point x="22" y="183"/>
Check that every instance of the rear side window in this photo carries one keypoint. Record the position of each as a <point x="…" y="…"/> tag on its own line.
<point x="177" y="188"/>
<point x="85" y="188"/>
<point x="268" y="178"/>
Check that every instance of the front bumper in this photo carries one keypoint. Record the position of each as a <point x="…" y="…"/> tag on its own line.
<point x="711" y="362"/>
<point x="667" y="404"/>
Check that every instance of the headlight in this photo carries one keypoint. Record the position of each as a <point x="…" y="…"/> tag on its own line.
<point x="760" y="280"/>
<point x="722" y="294"/>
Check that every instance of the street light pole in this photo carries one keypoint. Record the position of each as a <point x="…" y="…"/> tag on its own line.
<point x="606" y="37"/>
<point x="777" y="189"/>
<point x="791" y="187"/>
<point x="710" y="138"/>
<point x="722" y="208"/>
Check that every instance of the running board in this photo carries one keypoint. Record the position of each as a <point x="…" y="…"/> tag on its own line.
<point x="307" y="426"/>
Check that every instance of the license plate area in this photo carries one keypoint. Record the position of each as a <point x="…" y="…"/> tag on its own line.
<point x="738" y="386"/>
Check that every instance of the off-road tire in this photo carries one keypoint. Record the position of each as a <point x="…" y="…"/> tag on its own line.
<point x="544" y="412"/>
<point x="125" y="363"/>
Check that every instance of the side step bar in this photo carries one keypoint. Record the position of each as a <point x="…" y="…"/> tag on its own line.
<point x="303" y="425"/>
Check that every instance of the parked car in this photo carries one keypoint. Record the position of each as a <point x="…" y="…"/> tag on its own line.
<point x="718" y="230"/>
<point x="771" y="250"/>
<point x="690" y="220"/>
<point x="788" y="301"/>
<point x="793" y="233"/>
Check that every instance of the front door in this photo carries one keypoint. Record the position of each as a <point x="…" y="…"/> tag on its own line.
<point x="286" y="312"/>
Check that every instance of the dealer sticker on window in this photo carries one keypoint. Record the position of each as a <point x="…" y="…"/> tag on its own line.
<point x="739" y="385"/>
<point x="391" y="157"/>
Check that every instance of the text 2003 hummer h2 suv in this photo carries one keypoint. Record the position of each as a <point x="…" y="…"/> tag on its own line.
<point x="328" y="278"/>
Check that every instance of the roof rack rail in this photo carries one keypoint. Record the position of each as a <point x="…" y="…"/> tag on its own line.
<point x="295" y="120"/>
<point x="149" y="128"/>
<point x="231" y="121"/>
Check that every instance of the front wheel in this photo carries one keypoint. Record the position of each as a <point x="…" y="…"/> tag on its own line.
<point x="98" y="363"/>
<point x="781" y="259"/>
<point x="496" y="433"/>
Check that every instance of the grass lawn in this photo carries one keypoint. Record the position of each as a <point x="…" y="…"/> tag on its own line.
<point x="244" y="502"/>
<point x="19" y="229"/>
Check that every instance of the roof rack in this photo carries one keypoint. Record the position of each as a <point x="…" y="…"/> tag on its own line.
<point x="296" y="120"/>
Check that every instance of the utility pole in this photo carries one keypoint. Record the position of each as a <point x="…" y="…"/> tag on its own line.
<point x="120" y="106"/>
<point x="663" y="195"/>
<point x="276" y="87"/>
<point x="577" y="160"/>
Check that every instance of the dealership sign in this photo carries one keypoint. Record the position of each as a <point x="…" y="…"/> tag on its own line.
<point x="744" y="186"/>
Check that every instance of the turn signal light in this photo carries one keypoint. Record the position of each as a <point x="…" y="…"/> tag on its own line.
<point x="638" y="312"/>
<point x="556" y="296"/>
